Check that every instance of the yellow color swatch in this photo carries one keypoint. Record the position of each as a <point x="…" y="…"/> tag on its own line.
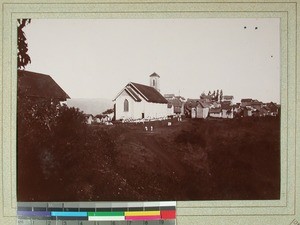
<point x="142" y="213"/>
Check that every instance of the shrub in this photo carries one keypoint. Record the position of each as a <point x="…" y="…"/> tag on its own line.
<point x="70" y="124"/>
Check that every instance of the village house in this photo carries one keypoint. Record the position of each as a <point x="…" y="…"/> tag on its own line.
<point x="39" y="87"/>
<point x="103" y="118"/>
<point x="214" y="104"/>
<point x="89" y="118"/>
<point x="207" y="106"/>
<point x="246" y="102"/>
<point x="264" y="111"/>
<point x="190" y="108"/>
<point x="227" y="110"/>
<point x="206" y="98"/>
<point x="175" y="105"/>
<point x="253" y="107"/>
<point x="202" y="110"/>
<point x="274" y="109"/>
<point x="250" y="107"/>
<point x="227" y="98"/>
<point x="215" y="112"/>
<point x="196" y="108"/>
<point x="137" y="101"/>
<point x="257" y="105"/>
<point x="247" y="111"/>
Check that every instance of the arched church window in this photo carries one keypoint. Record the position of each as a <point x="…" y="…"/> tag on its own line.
<point x="126" y="105"/>
<point x="153" y="83"/>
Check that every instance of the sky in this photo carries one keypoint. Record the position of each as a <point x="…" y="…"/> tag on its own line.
<point x="97" y="58"/>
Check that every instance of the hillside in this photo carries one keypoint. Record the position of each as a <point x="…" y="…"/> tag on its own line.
<point x="92" y="106"/>
<point x="190" y="160"/>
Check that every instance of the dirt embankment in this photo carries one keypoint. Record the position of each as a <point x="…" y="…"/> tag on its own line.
<point x="190" y="160"/>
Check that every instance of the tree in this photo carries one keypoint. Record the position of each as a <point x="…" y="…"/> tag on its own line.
<point x="221" y="95"/>
<point x="217" y="96"/>
<point x="213" y="94"/>
<point x="202" y="96"/>
<point x="23" y="57"/>
<point x="108" y="111"/>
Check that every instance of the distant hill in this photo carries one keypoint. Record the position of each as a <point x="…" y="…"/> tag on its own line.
<point x="92" y="106"/>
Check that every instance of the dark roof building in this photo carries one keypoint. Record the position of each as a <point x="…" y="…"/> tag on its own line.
<point x="207" y="98"/>
<point x="215" y="110"/>
<point x="39" y="86"/>
<point x="227" y="98"/>
<point x="225" y="105"/>
<point x="226" y="102"/>
<point x="192" y="103"/>
<point x="175" y="102"/>
<point x="246" y="100"/>
<point x="203" y="104"/>
<point x="274" y="108"/>
<point x="177" y="105"/>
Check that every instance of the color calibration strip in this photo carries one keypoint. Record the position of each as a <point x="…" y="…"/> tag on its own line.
<point x="102" y="211"/>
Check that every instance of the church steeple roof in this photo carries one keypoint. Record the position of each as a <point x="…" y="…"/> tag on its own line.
<point x="154" y="75"/>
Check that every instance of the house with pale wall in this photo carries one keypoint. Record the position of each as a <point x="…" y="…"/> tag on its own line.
<point x="215" y="112"/>
<point x="227" y="98"/>
<point x="202" y="110"/>
<point x="196" y="108"/>
<point x="175" y="104"/>
<point x="246" y="102"/>
<point x="227" y="112"/>
<point x="137" y="101"/>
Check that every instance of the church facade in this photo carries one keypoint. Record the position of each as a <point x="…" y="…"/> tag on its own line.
<point x="138" y="101"/>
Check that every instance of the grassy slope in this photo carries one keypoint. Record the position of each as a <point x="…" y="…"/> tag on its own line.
<point x="190" y="160"/>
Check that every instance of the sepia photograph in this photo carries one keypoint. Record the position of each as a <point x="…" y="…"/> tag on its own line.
<point x="148" y="109"/>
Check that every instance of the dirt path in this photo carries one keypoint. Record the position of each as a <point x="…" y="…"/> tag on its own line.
<point x="153" y="143"/>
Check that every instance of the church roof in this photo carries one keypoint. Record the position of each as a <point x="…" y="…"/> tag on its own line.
<point x="150" y="94"/>
<point x="37" y="85"/>
<point x="132" y="93"/>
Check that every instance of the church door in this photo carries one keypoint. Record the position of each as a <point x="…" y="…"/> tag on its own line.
<point x="143" y="115"/>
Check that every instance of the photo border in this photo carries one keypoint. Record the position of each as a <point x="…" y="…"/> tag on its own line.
<point x="283" y="211"/>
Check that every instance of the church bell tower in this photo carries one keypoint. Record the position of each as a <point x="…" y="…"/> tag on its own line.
<point x="154" y="81"/>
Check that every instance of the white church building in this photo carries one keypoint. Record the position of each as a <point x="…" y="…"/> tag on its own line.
<point x="138" y="101"/>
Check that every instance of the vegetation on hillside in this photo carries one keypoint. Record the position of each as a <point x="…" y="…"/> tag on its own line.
<point x="190" y="160"/>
